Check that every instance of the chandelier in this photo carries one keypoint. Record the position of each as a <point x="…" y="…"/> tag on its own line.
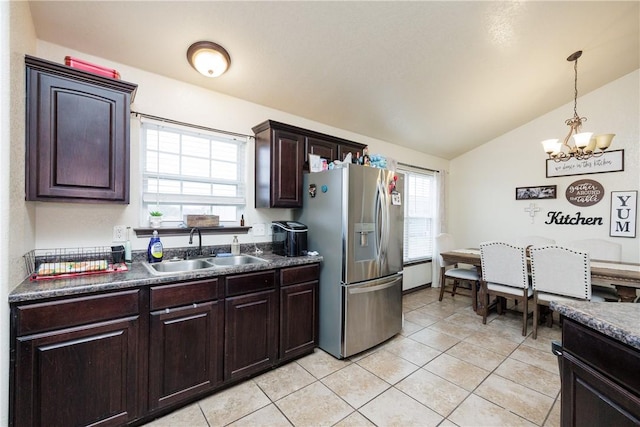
<point x="584" y="144"/>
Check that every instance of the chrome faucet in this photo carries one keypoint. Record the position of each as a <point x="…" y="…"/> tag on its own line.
<point x="199" y="239"/>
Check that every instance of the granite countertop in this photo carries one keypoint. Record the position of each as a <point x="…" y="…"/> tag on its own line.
<point x="620" y="321"/>
<point x="138" y="275"/>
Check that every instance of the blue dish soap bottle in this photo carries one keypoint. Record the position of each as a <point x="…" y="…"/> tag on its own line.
<point x="154" y="252"/>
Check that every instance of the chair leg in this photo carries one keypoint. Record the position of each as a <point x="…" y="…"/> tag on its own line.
<point x="536" y="311"/>
<point x="474" y="296"/>
<point x="442" y="283"/>
<point x="549" y="318"/>
<point x="525" y="314"/>
<point x="484" y="293"/>
<point x="455" y="287"/>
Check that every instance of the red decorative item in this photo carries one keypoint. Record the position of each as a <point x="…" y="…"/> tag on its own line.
<point x="92" y="68"/>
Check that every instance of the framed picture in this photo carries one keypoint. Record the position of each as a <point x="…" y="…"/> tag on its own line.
<point x="609" y="161"/>
<point x="624" y="209"/>
<point x="540" y="192"/>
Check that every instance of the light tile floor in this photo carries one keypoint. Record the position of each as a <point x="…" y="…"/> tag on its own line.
<point x="445" y="369"/>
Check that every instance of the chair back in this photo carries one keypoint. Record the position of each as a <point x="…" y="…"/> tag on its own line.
<point x="527" y="241"/>
<point x="504" y="263"/>
<point x="561" y="271"/>
<point x="599" y="249"/>
<point x="444" y="243"/>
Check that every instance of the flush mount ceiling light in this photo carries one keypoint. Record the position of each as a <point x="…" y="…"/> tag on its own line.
<point x="208" y="58"/>
<point x="584" y="143"/>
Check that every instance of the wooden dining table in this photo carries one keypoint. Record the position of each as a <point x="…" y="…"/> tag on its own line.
<point x="623" y="275"/>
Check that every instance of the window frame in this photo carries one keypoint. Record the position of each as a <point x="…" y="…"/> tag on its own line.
<point x="412" y="173"/>
<point x="181" y="200"/>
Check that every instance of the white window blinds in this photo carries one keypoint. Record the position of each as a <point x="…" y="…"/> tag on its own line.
<point x="419" y="213"/>
<point x="192" y="171"/>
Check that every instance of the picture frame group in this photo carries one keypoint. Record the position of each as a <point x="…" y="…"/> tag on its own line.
<point x="537" y="192"/>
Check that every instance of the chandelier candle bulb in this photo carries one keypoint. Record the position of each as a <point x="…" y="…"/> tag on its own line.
<point x="582" y="139"/>
<point x="550" y="145"/>
<point x="604" y="141"/>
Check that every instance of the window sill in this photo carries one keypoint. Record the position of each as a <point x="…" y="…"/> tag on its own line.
<point x="417" y="262"/>
<point x="178" y="231"/>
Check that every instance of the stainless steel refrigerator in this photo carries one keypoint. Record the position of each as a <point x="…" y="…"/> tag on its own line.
<point x="355" y="219"/>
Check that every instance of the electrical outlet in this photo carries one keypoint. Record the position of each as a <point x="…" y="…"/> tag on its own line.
<point x="258" y="229"/>
<point x="119" y="233"/>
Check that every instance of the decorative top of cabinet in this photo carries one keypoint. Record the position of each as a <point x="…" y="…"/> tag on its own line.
<point x="301" y="131"/>
<point x="77" y="74"/>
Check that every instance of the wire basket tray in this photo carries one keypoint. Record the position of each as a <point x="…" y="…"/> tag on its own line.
<point x="47" y="263"/>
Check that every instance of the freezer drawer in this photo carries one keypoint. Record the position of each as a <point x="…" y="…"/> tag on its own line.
<point x="372" y="313"/>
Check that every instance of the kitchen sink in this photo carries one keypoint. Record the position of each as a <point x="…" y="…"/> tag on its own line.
<point x="183" y="266"/>
<point x="236" y="260"/>
<point x="180" y="266"/>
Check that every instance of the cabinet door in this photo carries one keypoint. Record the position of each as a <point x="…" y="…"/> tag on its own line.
<point x="325" y="149"/>
<point x="185" y="352"/>
<point x="77" y="140"/>
<point x="78" y="376"/>
<point x="286" y="172"/>
<point x="298" y="319"/>
<point x="250" y="334"/>
<point x="591" y="399"/>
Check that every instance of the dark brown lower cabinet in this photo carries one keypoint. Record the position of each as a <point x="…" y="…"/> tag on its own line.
<point x="251" y="327"/>
<point x="185" y="357"/>
<point x="125" y="357"/>
<point x="298" y="310"/>
<point x="78" y="375"/>
<point x="600" y="379"/>
<point x="185" y="341"/>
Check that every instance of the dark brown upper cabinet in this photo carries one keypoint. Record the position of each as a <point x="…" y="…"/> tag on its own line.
<point x="77" y="144"/>
<point x="282" y="155"/>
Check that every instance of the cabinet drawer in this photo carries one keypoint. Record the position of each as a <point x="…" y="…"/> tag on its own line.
<point x="301" y="274"/>
<point x="76" y="311"/>
<point x="178" y="294"/>
<point x="250" y="282"/>
<point x="605" y="354"/>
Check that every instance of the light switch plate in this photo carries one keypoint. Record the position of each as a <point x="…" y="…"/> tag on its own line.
<point x="258" y="229"/>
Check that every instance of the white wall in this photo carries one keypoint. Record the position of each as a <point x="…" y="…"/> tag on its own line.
<point x="483" y="181"/>
<point x="17" y="37"/>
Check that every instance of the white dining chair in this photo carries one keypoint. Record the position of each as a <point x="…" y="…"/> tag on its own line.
<point x="527" y="241"/>
<point x="601" y="250"/>
<point x="444" y="243"/>
<point x="505" y="275"/>
<point x="559" y="274"/>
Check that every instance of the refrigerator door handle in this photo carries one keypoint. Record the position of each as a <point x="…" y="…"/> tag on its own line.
<point x="382" y="220"/>
<point x="373" y="287"/>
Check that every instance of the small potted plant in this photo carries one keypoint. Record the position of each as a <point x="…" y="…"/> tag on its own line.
<point x="155" y="219"/>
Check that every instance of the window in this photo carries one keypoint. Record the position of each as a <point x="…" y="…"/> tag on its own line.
<point x="191" y="171"/>
<point x="419" y="214"/>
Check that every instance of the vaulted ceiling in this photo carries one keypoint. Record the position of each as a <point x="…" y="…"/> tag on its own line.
<point x="441" y="77"/>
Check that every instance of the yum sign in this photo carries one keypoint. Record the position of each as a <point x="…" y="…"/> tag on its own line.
<point x="623" y="213"/>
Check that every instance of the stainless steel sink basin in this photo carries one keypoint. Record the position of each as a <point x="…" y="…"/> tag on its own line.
<point x="180" y="266"/>
<point x="183" y="266"/>
<point x="236" y="260"/>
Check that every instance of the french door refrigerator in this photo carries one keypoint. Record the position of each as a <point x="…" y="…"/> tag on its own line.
<point x="355" y="219"/>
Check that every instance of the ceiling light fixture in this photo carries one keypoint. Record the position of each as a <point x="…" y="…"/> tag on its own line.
<point x="208" y="58"/>
<point x="584" y="143"/>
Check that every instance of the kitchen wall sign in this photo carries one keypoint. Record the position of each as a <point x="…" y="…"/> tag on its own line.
<point x="624" y="208"/>
<point x="610" y="161"/>
<point x="540" y="192"/>
<point x="584" y="192"/>
<point x="557" y="218"/>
